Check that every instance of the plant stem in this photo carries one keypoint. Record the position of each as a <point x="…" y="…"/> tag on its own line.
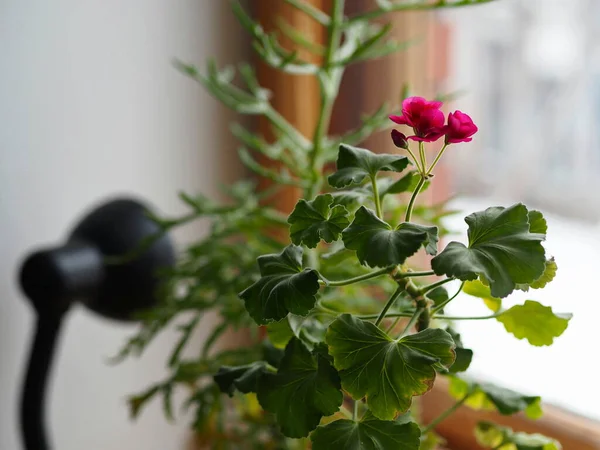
<point x="435" y="422"/>
<point x="376" y="198"/>
<point x="411" y="203"/>
<point x="359" y="278"/>
<point x="421" y="170"/>
<point x="393" y="325"/>
<point x="491" y="316"/>
<point x="375" y="316"/>
<point x="411" y="322"/>
<point x="443" y="304"/>
<point x="432" y="286"/>
<point x="437" y="158"/>
<point x="426" y="273"/>
<point x="423" y="157"/>
<point x="355" y="410"/>
<point x="329" y="81"/>
<point x="389" y="304"/>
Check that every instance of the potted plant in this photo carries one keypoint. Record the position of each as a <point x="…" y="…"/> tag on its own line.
<point x="345" y="314"/>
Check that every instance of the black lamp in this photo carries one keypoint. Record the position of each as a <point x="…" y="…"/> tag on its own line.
<point x="104" y="265"/>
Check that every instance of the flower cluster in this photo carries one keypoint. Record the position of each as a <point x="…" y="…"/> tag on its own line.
<point x="427" y="121"/>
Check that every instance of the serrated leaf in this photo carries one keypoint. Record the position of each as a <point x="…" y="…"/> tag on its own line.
<point x="283" y="287"/>
<point x="541" y="282"/>
<point x="501" y="249"/>
<point x="242" y="378"/>
<point x="537" y="222"/>
<point x="388" y="372"/>
<point x="370" y="434"/>
<point x="477" y="289"/>
<point x="355" y="164"/>
<point x="314" y="220"/>
<point x="535" y="322"/>
<point x="488" y="396"/>
<point x="377" y="244"/>
<point x="464" y="356"/>
<point x="305" y="388"/>
<point x="490" y="435"/>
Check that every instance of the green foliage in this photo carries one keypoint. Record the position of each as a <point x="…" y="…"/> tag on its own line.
<point x="377" y="244"/>
<point x="315" y="220"/>
<point x="368" y="434"/>
<point x="387" y="372"/>
<point x="501" y="250"/>
<point x="494" y="436"/>
<point x="283" y="287"/>
<point x="330" y="335"/>
<point x="305" y="388"/>
<point x="535" y="322"/>
<point x="489" y="396"/>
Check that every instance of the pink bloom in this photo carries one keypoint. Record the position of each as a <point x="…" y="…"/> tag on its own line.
<point x="423" y="116"/>
<point x="460" y="128"/>
<point x="399" y="139"/>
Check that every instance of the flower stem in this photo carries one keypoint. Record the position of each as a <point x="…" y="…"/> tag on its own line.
<point x="423" y="157"/>
<point x="441" y="305"/>
<point x="389" y="304"/>
<point x="376" y="197"/>
<point x="435" y="422"/>
<point x="426" y="273"/>
<point x="432" y="286"/>
<point x="411" y="203"/>
<point x="411" y="322"/>
<point x="416" y="161"/>
<point x="359" y="278"/>
<point x="437" y="158"/>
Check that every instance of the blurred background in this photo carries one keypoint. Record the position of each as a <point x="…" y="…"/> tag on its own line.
<point x="90" y="107"/>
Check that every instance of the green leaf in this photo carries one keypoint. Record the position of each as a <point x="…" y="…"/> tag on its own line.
<point x="315" y="220"/>
<point x="377" y="244"/>
<point x="494" y="436"/>
<point x="464" y="356"/>
<point x="283" y="287"/>
<point x="355" y="164"/>
<point x="488" y="396"/>
<point x="501" y="249"/>
<point x="537" y="222"/>
<point x="241" y="378"/>
<point x="534" y="322"/>
<point x="477" y="289"/>
<point x="369" y="434"/>
<point x="280" y="332"/>
<point x="305" y="388"/>
<point x="541" y="282"/>
<point x="388" y="372"/>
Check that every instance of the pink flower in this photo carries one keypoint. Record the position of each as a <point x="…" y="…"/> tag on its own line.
<point x="423" y="116"/>
<point x="399" y="139"/>
<point x="460" y="128"/>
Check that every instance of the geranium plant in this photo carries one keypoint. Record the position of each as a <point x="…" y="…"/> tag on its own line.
<point x="347" y="319"/>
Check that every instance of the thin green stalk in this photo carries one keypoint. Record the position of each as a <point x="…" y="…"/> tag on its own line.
<point x="393" y="325"/>
<point x="432" y="286"/>
<point x="329" y="81"/>
<point x="422" y="155"/>
<point x="435" y="422"/>
<point x="387" y="316"/>
<point x="411" y="322"/>
<point x="411" y="203"/>
<point x="437" y="158"/>
<point x="425" y="273"/>
<point x="491" y="316"/>
<point x="415" y="160"/>
<point x="389" y="304"/>
<point x="366" y="276"/>
<point x="310" y="11"/>
<point x="443" y="304"/>
<point x="355" y="410"/>
<point x="376" y="198"/>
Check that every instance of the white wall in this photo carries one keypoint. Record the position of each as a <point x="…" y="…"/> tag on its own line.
<point x="90" y="106"/>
